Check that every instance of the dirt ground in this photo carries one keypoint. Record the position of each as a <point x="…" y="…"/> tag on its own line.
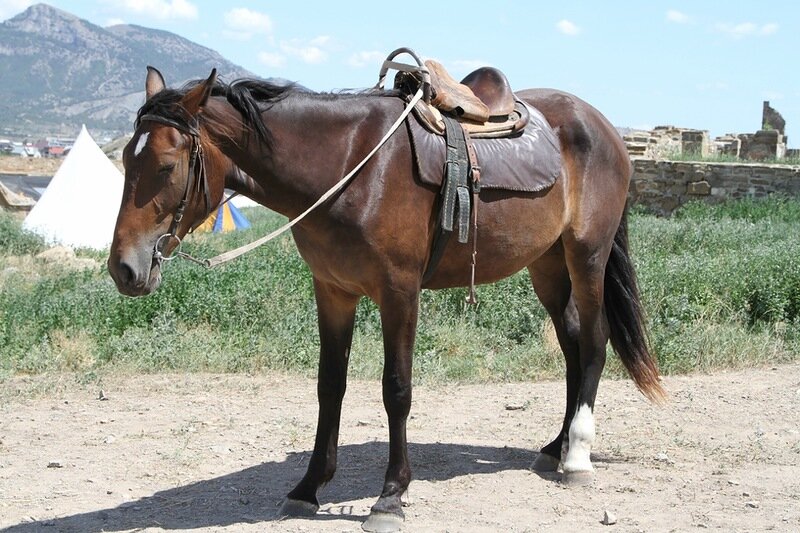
<point x="40" y="166"/>
<point x="218" y="453"/>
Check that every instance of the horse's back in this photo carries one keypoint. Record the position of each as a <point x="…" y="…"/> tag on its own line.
<point x="583" y="130"/>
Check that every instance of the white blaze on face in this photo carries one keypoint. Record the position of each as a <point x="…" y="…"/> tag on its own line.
<point x="141" y="143"/>
<point x="581" y="438"/>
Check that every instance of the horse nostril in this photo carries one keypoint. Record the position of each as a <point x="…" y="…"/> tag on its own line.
<point x="125" y="273"/>
<point x="121" y="272"/>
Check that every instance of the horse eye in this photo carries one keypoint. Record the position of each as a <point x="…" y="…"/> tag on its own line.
<point x="166" y="169"/>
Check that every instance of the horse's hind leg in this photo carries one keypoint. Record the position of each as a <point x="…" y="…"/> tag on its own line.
<point x="586" y="262"/>
<point x="336" y="314"/>
<point x="553" y="287"/>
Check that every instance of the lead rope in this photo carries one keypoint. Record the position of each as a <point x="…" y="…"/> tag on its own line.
<point x="233" y="254"/>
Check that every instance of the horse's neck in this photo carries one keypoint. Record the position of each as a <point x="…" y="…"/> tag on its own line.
<point x="315" y="141"/>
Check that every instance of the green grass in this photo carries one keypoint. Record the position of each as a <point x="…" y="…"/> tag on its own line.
<point x="721" y="286"/>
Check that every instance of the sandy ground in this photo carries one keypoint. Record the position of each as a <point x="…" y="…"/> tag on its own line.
<point x="218" y="453"/>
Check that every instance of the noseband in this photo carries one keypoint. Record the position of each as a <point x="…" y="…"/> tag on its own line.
<point x="196" y="181"/>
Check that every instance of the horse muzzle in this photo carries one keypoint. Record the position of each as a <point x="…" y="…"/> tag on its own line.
<point x="135" y="274"/>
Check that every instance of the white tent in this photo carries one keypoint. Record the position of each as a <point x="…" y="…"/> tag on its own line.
<point x="80" y="205"/>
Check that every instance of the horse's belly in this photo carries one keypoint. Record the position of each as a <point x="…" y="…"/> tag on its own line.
<point x="512" y="234"/>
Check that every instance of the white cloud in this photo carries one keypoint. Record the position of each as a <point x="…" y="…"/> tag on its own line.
<point x="769" y="29"/>
<point x="313" y="51"/>
<point x="746" y="29"/>
<point x="366" y="58"/>
<point x="243" y="23"/>
<point x="272" y="59"/>
<point x="10" y="8"/>
<point x="567" y="27"/>
<point x="114" y="22"/>
<point x="677" y="17"/>
<point x="160" y="9"/>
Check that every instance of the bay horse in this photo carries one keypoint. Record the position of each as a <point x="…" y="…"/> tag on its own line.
<point x="374" y="238"/>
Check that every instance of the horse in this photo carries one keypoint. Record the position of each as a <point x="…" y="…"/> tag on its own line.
<point x="373" y="239"/>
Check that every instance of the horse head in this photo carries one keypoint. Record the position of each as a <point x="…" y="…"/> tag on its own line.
<point x="174" y="177"/>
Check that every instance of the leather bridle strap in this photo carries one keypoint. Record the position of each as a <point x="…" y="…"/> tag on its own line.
<point x="196" y="178"/>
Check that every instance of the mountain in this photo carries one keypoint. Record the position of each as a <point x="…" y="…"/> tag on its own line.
<point x="58" y="71"/>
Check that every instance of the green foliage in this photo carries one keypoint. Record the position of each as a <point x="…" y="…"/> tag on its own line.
<point x="721" y="286"/>
<point x="14" y="240"/>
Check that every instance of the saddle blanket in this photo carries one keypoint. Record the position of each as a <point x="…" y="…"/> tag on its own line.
<point x="527" y="162"/>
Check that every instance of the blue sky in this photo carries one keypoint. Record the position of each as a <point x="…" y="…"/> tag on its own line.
<point x="698" y="64"/>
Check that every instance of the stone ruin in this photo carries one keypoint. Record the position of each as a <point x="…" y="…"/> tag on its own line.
<point x="665" y="142"/>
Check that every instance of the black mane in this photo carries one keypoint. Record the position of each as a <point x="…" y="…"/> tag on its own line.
<point x="248" y="96"/>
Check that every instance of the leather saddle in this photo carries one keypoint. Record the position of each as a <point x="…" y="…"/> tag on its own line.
<point x="482" y="102"/>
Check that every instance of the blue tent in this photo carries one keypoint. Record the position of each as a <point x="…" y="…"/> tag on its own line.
<point x="226" y="218"/>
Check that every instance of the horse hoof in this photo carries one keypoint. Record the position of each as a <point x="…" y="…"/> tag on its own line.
<point x="297" y="509"/>
<point x="580" y="478"/>
<point x="382" y="523"/>
<point x="545" y="463"/>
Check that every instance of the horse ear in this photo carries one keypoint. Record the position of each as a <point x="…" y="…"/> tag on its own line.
<point x="154" y="83"/>
<point x="196" y="98"/>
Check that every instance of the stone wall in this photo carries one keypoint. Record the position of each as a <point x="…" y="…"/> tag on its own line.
<point x="662" y="186"/>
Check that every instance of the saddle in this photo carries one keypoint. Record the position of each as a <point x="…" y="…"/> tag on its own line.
<point x="482" y="106"/>
<point x="483" y="102"/>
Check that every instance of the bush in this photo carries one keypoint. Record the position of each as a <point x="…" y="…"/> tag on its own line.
<point x="16" y="241"/>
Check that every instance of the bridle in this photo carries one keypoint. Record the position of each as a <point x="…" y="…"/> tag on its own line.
<point x="196" y="182"/>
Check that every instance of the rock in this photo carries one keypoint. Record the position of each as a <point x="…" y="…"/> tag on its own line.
<point x="753" y="504"/>
<point x="57" y="254"/>
<point x="65" y="257"/>
<point x="699" y="188"/>
<point x="664" y="458"/>
<point x="109" y="439"/>
<point x="102" y="396"/>
<point x="515" y="407"/>
<point x="609" y="519"/>
<point x="55" y="464"/>
<point x="733" y="482"/>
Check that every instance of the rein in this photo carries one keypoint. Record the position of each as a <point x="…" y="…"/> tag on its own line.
<point x="197" y="155"/>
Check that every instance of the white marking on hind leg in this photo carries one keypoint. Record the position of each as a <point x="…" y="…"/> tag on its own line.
<point x="141" y="143"/>
<point x="581" y="438"/>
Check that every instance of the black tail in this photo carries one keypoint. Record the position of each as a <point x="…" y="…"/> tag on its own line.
<point x="626" y="318"/>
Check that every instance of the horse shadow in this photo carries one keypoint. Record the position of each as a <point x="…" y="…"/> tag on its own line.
<point x="252" y="495"/>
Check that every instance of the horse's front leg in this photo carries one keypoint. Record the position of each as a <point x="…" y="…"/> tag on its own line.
<point x="336" y="315"/>
<point x="399" y="323"/>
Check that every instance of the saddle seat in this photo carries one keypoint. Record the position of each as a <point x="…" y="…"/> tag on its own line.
<point x="482" y="102"/>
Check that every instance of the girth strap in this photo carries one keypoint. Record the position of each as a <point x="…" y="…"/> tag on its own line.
<point x="459" y="190"/>
<point x="456" y="187"/>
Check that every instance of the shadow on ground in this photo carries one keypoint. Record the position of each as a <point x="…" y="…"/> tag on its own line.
<point x="253" y="495"/>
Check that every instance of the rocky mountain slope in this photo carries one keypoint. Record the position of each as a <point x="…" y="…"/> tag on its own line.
<point x="58" y="71"/>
